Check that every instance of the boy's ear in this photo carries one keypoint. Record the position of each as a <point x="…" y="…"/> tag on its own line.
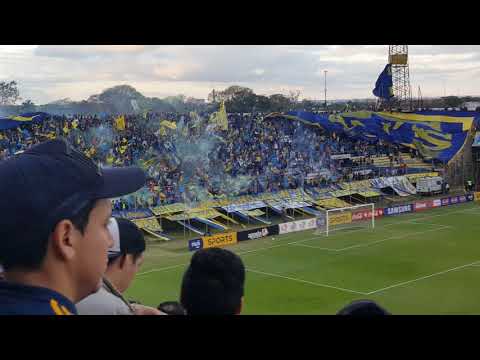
<point x="64" y="240"/>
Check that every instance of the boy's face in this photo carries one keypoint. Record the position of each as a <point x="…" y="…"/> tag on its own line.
<point x="91" y="256"/>
<point x="129" y="269"/>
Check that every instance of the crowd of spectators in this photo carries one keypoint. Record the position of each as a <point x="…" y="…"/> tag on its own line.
<point x="267" y="154"/>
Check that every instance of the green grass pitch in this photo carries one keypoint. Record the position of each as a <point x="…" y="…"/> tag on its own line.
<point x="420" y="263"/>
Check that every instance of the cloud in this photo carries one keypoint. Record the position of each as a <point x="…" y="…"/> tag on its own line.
<point x="47" y="73"/>
<point x="87" y="51"/>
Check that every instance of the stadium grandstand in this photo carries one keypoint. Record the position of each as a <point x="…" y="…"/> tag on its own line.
<point x="211" y="173"/>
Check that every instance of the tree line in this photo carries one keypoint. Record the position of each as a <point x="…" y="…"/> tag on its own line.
<point x="238" y="99"/>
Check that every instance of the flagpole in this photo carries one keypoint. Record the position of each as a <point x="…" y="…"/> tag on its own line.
<point x="325" y="72"/>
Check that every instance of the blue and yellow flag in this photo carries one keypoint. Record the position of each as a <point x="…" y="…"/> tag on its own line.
<point x="384" y="85"/>
<point x="219" y="118"/>
<point x="168" y="124"/>
<point x="436" y="134"/>
<point x="120" y="123"/>
<point x="14" y="121"/>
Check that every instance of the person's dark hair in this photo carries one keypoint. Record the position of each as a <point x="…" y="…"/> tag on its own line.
<point x="132" y="240"/>
<point x="31" y="258"/>
<point x="213" y="284"/>
<point x="135" y="255"/>
<point x="172" y="308"/>
<point x="363" y="308"/>
<point x="80" y="220"/>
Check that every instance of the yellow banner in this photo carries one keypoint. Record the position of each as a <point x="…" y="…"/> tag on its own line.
<point x="120" y="123"/>
<point x="169" y="124"/>
<point x="342" y="218"/>
<point x="220" y="117"/>
<point x="219" y="240"/>
<point x="477" y="196"/>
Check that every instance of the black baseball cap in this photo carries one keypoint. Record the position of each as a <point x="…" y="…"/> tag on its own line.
<point x="52" y="181"/>
<point x="127" y="237"/>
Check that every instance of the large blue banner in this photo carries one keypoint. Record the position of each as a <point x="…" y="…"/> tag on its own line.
<point x="436" y="134"/>
<point x="14" y="121"/>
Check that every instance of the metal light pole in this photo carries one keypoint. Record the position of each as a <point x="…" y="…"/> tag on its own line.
<point x="325" y="105"/>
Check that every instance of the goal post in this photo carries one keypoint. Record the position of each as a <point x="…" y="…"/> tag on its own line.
<point x="357" y="216"/>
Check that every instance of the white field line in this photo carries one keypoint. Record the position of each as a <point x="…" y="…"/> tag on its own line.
<point x="306" y="282"/>
<point x="294" y="242"/>
<point x="166" y="255"/>
<point x="429" y="223"/>
<point x="422" y="278"/>
<point x="239" y="253"/>
<point x="392" y="224"/>
<point x="160" y="269"/>
<point x="391" y="238"/>
<point x="477" y="209"/>
<point x="315" y="247"/>
<point x="441" y="227"/>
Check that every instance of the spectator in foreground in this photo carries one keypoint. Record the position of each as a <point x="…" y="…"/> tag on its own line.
<point x="124" y="260"/>
<point x="54" y="214"/>
<point x="363" y="308"/>
<point x="213" y="283"/>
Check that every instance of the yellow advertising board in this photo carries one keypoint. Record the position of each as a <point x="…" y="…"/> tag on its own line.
<point x="219" y="240"/>
<point x="338" y="219"/>
<point x="477" y="196"/>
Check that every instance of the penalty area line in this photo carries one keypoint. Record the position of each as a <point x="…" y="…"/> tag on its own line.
<point x="441" y="227"/>
<point x="423" y="278"/>
<point x="306" y="282"/>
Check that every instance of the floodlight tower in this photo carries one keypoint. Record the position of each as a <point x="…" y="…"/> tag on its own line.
<point x="398" y="59"/>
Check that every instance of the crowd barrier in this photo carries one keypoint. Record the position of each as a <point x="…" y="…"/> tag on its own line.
<point x="308" y="224"/>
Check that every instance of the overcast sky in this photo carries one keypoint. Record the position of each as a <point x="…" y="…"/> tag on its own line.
<point x="48" y="73"/>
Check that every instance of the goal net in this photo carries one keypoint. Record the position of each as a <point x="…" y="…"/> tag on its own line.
<point x="352" y="217"/>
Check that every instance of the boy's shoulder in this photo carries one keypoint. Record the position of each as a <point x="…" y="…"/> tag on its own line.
<point x="19" y="299"/>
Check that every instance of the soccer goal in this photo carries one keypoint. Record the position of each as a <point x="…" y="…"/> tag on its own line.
<point x="352" y="217"/>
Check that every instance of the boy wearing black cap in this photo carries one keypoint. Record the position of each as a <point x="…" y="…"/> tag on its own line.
<point x="124" y="260"/>
<point x="54" y="215"/>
